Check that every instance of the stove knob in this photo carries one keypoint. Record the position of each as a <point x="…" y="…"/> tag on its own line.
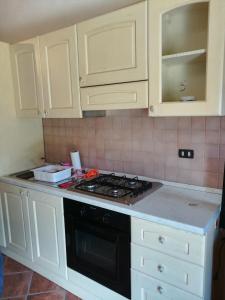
<point x="106" y="218"/>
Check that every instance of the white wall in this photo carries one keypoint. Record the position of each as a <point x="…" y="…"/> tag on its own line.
<point x="21" y="140"/>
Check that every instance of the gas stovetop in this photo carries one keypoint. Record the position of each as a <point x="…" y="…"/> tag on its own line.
<point x="117" y="188"/>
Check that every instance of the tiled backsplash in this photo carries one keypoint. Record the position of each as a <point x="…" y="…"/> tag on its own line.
<point x="131" y="142"/>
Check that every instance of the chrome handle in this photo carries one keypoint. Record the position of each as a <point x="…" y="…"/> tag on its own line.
<point x="160" y="268"/>
<point x="161" y="240"/>
<point x="160" y="289"/>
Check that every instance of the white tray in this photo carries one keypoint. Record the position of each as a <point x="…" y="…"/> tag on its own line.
<point x="52" y="173"/>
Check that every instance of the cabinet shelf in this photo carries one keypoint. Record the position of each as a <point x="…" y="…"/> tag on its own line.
<point x="184" y="57"/>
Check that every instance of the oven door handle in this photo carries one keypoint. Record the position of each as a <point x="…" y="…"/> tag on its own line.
<point x="104" y="232"/>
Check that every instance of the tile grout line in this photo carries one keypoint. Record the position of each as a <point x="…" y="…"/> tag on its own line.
<point x="29" y="285"/>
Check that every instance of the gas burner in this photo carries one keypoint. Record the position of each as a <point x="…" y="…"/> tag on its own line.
<point x="91" y="187"/>
<point x="117" y="188"/>
<point x="117" y="192"/>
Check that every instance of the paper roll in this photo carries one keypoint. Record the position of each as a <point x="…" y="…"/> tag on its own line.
<point x="75" y="158"/>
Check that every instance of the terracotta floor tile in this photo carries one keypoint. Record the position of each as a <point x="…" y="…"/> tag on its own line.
<point x="11" y="266"/>
<point x="16" y="298"/>
<point x="16" y="284"/>
<point x="47" y="296"/>
<point x="70" y="296"/>
<point x="41" y="284"/>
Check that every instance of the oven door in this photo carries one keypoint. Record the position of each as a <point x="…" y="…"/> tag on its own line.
<point x="100" y="253"/>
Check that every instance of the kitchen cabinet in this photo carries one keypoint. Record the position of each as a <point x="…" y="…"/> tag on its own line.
<point x="2" y="226"/>
<point x="116" y="96"/>
<point x="113" y="47"/>
<point x="16" y="220"/>
<point x="169" y="263"/>
<point x="59" y="65"/>
<point x="26" y="76"/>
<point x="47" y="231"/>
<point x="34" y="228"/>
<point x="186" y="63"/>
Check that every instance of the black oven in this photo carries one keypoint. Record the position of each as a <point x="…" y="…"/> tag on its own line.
<point x="98" y="244"/>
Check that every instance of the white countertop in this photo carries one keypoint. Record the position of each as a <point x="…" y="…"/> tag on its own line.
<point x="172" y="205"/>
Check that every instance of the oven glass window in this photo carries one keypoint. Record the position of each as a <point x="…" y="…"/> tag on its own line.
<point x="98" y="252"/>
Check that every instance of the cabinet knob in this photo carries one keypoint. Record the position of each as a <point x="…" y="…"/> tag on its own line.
<point x="161" y="240"/>
<point x="46" y="113"/>
<point x="80" y="79"/>
<point x="160" y="268"/>
<point x="151" y="108"/>
<point x="160" y="289"/>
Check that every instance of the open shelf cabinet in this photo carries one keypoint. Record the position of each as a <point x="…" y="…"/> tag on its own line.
<point x="188" y="52"/>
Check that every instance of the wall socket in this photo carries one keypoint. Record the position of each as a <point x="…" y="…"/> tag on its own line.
<point x="186" y="153"/>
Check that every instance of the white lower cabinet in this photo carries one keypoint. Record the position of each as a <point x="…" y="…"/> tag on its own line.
<point x="2" y="225"/>
<point x="182" y="274"/>
<point x="148" y="288"/>
<point x="33" y="229"/>
<point x="47" y="228"/>
<point x="16" y="220"/>
<point x="170" y="264"/>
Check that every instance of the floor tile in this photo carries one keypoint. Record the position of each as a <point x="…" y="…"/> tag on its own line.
<point x="70" y="296"/>
<point x="11" y="266"/>
<point x="41" y="284"/>
<point x="16" y="285"/>
<point x="47" y="296"/>
<point x="16" y="298"/>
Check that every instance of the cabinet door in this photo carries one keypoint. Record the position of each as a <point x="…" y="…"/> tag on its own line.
<point x="47" y="228"/>
<point x="148" y="288"/>
<point x="27" y="81"/>
<point x="117" y="96"/>
<point x="59" y="64"/>
<point x="2" y="225"/>
<point x="113" y="47"/>
<point x="187" y="60"/>
<point x="16" y="220"/>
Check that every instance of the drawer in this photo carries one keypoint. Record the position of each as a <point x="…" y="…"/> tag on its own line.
<point x="116" y="96"/>
<point x="178" y="243"/>
<point x="147" y="288"/>
<point x="181" y="274"/>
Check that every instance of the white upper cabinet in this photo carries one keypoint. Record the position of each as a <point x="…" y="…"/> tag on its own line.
<point x="28" y="94"/>
<point x="113" y="48"/>
<point x="186" y="57"/>
<point x="59" y="65"/>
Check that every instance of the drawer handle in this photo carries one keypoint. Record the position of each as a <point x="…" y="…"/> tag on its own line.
<point x="161" y="240"/>
<point x="160" y="289"/>
<point x="160" y="268"/>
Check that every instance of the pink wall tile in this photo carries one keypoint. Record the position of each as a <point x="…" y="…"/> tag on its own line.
<point x="130" y="141"/>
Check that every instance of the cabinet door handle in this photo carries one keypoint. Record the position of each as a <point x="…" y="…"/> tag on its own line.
<point x="161" y="239"/>
<point x="160" y="289"/>
<point x="160" y="268"/>
<point x="151" y="108"/>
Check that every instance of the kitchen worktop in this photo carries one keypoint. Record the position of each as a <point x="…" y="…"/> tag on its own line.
<point x="173" y="205"/>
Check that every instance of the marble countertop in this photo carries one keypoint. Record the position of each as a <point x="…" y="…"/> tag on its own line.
<point x="177" y="206"/>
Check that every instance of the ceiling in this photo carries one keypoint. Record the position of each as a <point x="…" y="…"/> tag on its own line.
<point x="23" y="19"/>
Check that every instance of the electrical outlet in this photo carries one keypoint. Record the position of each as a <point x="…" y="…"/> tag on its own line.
<point x="186" y="153"/>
